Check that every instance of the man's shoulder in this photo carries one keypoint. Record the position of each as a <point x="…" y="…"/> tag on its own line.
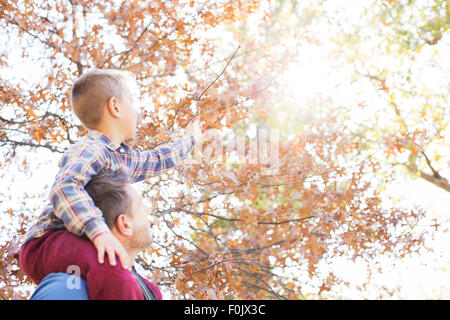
<point x="153" y="287"/>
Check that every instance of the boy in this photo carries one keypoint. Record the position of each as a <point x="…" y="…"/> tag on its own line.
<point x="104" y="103"/>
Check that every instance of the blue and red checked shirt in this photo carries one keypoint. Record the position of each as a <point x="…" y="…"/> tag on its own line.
<point x="70" y="205"/>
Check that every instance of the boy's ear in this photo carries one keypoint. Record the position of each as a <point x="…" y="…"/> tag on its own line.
<point x="113" y="107"/>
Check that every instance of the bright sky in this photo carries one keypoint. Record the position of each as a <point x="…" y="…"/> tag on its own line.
<point x="427" y="276"/>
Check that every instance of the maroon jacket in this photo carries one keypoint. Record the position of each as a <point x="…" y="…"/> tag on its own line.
<point x="56" y="250"/>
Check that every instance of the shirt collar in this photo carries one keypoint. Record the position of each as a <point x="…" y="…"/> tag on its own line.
<point x="103" y="138"/>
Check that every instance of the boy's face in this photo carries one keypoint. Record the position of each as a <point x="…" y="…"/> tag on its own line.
<point x="130" y="115"/>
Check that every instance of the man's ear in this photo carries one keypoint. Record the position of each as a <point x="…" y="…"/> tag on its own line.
<point x="112" y="107"/>
<point x="123" y="225"/>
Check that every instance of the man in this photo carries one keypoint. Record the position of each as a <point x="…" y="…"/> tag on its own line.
<point x="126" y="216"/>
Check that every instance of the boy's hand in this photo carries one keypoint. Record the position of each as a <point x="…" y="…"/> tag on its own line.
<point x="108" y="243"/>
<point x="194" y="128"/>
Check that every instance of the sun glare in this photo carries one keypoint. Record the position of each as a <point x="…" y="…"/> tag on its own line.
<point x="309" y="75"/>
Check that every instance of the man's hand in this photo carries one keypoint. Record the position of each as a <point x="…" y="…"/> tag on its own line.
<point x="108" y="243"/>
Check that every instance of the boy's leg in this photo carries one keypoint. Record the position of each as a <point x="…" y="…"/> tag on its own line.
<point x="30" y="256"/>
<point x="59" y="250"/>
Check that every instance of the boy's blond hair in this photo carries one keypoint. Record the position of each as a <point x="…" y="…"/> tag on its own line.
<point x="92" y="90"/>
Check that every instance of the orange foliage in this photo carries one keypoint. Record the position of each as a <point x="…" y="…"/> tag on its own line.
<point x="226" y="239"/>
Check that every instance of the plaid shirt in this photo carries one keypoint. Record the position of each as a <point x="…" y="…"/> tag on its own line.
<point x="70" y="205"/>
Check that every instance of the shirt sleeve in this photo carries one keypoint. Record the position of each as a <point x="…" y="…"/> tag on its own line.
<point x="71" y="202"/>
<point x="146" y="164"/>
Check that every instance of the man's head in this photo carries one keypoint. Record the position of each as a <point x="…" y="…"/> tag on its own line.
<point x="102" y="97"/>
<point x="122" y="207"/>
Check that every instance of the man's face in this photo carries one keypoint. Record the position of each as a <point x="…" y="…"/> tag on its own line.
<point x="142" y="236"/>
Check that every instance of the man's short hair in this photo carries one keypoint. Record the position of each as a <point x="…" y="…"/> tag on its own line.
<point x="109" y="192"/>
<point x="91" y="92"/>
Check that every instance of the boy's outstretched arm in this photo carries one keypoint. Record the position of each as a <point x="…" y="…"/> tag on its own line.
<point x="146" y="164"/>
<point x="73" y="205"/>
